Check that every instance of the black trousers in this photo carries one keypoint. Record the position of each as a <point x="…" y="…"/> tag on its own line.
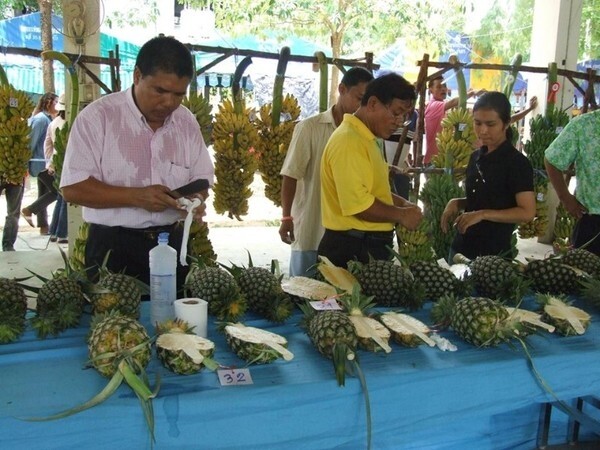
<point x="586" y="233"/>
<point x="343" y="246"/>
<point x="129" y="250"/>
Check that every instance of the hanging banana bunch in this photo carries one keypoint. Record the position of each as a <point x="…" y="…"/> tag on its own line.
<point x="415" y="245"/>
<point x="202" y="110"/>
<point x="234" y="140"/>
<point x="275" y="125"/>
<point x="199" y="244"/>
<point x="15" y="108"/>
<point x="274" y="141"/>
<point x="455" y="141"/>
<point x="563" y="229"/>
<point x="543" y="130"/>
<point x="77" y="259"/>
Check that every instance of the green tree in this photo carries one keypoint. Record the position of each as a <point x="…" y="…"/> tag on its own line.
<point x="589" y="41"/>
<point x="347" y="26"/>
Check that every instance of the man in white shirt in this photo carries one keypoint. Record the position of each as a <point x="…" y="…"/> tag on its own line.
<point x="127" y="151"/>
<point x="301" y="189"/>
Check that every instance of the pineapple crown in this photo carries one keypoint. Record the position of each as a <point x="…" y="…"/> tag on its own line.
<point x="357" y="302"/>
<point x="442" y="311"/>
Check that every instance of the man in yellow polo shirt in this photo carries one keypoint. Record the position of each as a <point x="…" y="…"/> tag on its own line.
<point x="358" y="208"/>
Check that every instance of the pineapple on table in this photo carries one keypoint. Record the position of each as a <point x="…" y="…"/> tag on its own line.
<point x="120" y="292"/>
<point x="255" y="345"/>
<point x="407" y="330"/>
<point x="372" y="335"/>
<point x="568" y="320"/>
<point x="552" y="276"/>
<point x="181" y="351"/>
<point x="584" y="260"/>
<point x="13" y="309"/>
<point x="437" y="280"/>
<point x="218" y="288"/>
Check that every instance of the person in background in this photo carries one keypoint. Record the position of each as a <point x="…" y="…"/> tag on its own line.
<point x="14" y="197"/>
<point x="578" y="144"/>
<point x="58" y="226"/>
<point x="358" y="209"/>
<point x="533" y="102"/>
<point x="43" y="114"/>
<point x="435" y="112"/>
<point x="127" y="151"/>
<point x="498" y="185"/>
<point x="300" y="189"/>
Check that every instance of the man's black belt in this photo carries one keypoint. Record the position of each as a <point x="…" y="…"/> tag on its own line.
<point x="364" y="235"/>
<point x="150" y="233"/>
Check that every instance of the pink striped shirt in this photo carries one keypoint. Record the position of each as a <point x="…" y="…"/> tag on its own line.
<point x="111" y="142"/>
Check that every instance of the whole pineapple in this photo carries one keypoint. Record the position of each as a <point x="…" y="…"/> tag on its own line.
<point x="584" y="260"/>
<point x="116" y="338"/>
<point x="13" y="308"/>
<point x="478" y="320"/>
<point x="436" y="280"/>
<point x="389" y="283"/>
<point x="120" y="292"/>
<point x="551" y="276"/>
<point x="180" y="350"/>
<point x="262" y="290"/>
<point x="218" y="288"/>
<point x="334" y="336"/>
<point x="497" y="278"/>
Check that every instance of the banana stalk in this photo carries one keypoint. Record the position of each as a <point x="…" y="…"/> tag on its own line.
<point x="460" y="81"/>
<point x="512" y="77"/>
<point x="61" y="57"/>
<point x="323" y="81"/>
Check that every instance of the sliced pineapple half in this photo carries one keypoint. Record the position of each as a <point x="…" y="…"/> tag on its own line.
<point x="529" y="318"/>
<point x="255" y="345"/>
<point x="567" y="319"/>
<point x="407" y="330"/>
<point x="184" y="353"/>
<point x="308" y="288"/>
<point x="337" y="276"/>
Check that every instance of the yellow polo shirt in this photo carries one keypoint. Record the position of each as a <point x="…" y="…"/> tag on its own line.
<point x="353" y="175"/>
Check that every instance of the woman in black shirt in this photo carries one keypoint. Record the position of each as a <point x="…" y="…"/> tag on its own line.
<point x="499" y="186"/>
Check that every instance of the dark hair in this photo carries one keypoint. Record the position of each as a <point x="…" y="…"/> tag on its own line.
<point x="439" y="77"/>
<point x="165" y="54"/>
<point x="389" y="87"/>
<point x="355" y="76"/>
<point x="496" y="101"/>
<point x="44" y="102"/>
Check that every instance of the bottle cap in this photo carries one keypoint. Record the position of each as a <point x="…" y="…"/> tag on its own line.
<point x="163" y="237"/>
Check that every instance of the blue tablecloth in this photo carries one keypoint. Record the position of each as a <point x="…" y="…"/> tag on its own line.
<point x="421" y="398"/>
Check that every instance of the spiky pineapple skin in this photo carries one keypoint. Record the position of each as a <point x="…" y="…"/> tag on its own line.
<point x="437" y="280"/>
<point x="497" y="278"/>
<point x="219" y="289"/>
<point x="60" y="304"/>
<point x="179" y="362"/>
<point x="328" y="328"/>
<point x="264" y="294"/>
<point x="584" y="260"/>
<point x="124" y="295"/>
<point x="477" y="320"/>
<point x="111" y="336"/>
<point x="13" y="309"/>
<point x="251" y="352"/>
<point x="391" y="285"/>
<point x="552" y="277"/>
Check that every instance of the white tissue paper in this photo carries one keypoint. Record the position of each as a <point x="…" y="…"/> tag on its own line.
<point x="194" y="311"/>
<point x="189" y="206"/>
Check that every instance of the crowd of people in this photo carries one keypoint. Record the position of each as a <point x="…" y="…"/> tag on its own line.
<point x="128" y="150"/>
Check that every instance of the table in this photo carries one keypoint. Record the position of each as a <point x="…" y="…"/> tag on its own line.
<point x="421" y="398"/>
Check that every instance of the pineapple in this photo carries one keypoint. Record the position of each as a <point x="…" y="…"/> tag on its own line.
<point x="218" y="288"/>
<point x="567" y="319"/>
<point x="590" y="290"/>
<point x="13" y="308"/>
<point x="180" y="350"/>
<point x="262" y="289"/>
<point x="119" y="348"/>
<point x="371" y="334"/>
<point x="530" y="320"/>
<point x="118" y="292"/>
<point x="407" y="330"/>
<point x="437" y="280"/>
<point x="334" y="336"/>
<point x="304" y="288"/>
<point x="389" y="283"/>
<point x="583" y="260"/>
<point x="496" y="278"/>
<point x="478" y="320"/>
<point x="60" y="300"/>
<point x="255" y="345"/>
<point x="550" y="276"/>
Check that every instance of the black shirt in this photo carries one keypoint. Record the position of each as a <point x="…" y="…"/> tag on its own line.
<point x="492" y="182"/>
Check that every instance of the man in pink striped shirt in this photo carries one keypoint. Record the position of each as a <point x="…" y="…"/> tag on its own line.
<point x="127" y="151"/>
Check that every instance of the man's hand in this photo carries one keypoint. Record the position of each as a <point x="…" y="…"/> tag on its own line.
<point x="572" y="205"/>
<point x="155" y="198"/>
<point x="450" y="212"/>
<point x="533" y="102"/>
<point x="286" y="231"/>
<point x="467" y="219"/>
<point x="411" y="217"/>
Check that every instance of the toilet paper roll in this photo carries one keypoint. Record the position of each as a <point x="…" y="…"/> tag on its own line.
<point x="194" y="311"/>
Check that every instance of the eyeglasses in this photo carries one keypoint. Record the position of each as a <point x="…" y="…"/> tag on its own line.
<point x="398" y="116"/>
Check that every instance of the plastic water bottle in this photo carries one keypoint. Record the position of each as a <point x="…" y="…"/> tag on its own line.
<point x="163" y="285"/>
